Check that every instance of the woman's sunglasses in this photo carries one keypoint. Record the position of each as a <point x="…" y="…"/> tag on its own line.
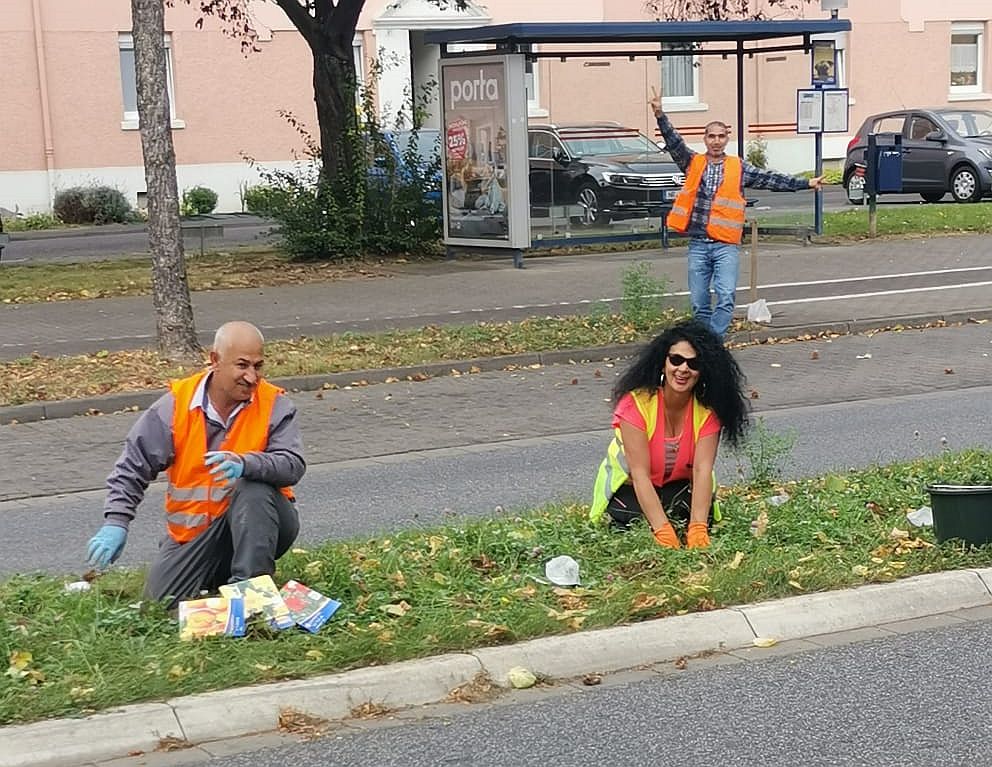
<point x="677" y="360"/>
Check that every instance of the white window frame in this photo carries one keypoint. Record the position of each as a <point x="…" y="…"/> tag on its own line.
<point x="690" y="103"/>
<point x="125" y="42"/>
<point x="978" y="30"/>
<point x="532" y="81"/>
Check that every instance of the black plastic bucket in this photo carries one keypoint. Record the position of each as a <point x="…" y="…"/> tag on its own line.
<point x="963" y="512"/>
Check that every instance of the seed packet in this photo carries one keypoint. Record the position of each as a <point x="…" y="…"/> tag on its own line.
<point x="211" y="616"/>
<point x="261" y="596"/>
<point x="310" y="609"/>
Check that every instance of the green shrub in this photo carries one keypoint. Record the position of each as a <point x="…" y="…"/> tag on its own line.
<point x="198" y="201"/>
<point x="756" y="152"/>
<point x="259" y="199"/>
<point x="31" y="222"/>
<point x="390" y="204"/>
<point x="92" y="205"/>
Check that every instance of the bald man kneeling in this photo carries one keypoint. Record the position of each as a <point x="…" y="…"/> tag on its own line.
<point x="230" y="445"/>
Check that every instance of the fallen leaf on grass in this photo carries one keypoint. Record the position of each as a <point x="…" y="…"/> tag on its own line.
<point x="491" y="630"/>
<point x="736" y="562"/>
<point x="860" y="570"/>
<point x="646" y="601"/>
<point x="397" y="610"/>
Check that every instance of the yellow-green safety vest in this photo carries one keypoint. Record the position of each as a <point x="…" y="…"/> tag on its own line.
<point x="613" y="471"/>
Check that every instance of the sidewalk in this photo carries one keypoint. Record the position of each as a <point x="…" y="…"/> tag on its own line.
<point x="795" y="624"/>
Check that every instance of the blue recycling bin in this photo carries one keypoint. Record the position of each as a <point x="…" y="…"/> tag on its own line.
<point x="884" y="161"/>
<point x="890" y="170"/>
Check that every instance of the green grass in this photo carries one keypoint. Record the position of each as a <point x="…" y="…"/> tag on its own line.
<point x="469" y="584"/>
<point x="244" y="267"/>
<point x="37" y="378"/>
<point x="903" y="221"/>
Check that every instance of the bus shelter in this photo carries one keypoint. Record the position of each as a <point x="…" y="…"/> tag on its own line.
<point x="508" y="189"/>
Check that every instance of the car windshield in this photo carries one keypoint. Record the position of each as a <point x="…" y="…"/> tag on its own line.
<point x="969" y="123"/>
<point x="600" y="141"/>
<point x="426" y="146"/>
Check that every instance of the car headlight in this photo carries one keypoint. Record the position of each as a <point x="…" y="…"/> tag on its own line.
<point x="613" y="178"/>
<point x="986" y="153"/>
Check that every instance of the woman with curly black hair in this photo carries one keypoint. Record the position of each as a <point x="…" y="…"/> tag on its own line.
<point x="682" y="391"/>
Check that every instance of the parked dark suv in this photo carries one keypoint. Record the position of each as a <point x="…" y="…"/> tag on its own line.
<point x="600" y="171"/>
<point x="944" y="150"/>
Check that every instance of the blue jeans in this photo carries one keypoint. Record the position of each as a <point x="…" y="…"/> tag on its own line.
<point x="716" y="263"/>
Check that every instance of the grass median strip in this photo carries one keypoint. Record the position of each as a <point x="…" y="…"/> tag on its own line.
<point x="37" y="378"/>
<point x="470" y="584"/>
<point x="893" y="221"/>
<point x="244" y="268"/>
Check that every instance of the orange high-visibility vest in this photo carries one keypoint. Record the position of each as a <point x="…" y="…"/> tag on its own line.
<point x="194" y="497"/>
<point x="726" y="221"/>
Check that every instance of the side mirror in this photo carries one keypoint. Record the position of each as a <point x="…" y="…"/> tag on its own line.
<point x="935" y="135"/>
<point x="561" y="158"/>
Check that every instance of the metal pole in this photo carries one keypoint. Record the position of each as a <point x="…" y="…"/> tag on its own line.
<point x="871" y="183"/>
<point x="818" y="171"/>
<point x="754" y="260"/>
<point x="740" y="99"/>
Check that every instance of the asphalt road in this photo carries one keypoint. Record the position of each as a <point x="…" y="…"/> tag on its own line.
<point x="415" y="488"/>
<point x="116" y="241"/>
<point x="914" y="700"/>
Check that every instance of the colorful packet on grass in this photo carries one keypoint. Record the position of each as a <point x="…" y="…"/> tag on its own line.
<point x="310" y="609"/>
<point x="261" y="596"/>
<point x="212" y="616"/>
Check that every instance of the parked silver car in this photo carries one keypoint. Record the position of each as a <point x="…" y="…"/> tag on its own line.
<point x="943" y="150"/>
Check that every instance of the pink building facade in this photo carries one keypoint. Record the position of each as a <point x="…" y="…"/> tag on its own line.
<point x="68" y="114"/>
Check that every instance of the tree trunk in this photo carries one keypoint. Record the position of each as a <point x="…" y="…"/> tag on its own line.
<point x="334" y="83"/>
<point x="173" y="307"/>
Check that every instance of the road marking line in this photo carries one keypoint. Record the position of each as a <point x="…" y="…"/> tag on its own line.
<point x="816" y="299"/>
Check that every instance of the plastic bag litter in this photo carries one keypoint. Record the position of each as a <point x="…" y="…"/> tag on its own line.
<point x="759" y="312"/>
<point x="778" y="500"/>
<point x="562" y="571"/>
<point x="922" y="517"/>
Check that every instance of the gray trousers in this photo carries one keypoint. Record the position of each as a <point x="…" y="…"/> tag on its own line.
<point x="259" y="527"/>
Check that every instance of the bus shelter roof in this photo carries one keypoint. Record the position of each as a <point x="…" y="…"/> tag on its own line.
<point x="535" y="33"/>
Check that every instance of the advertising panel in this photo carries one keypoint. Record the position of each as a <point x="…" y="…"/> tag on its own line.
<point x="479" y="118"/>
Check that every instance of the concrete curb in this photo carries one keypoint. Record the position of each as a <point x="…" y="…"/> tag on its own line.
<point x="109" y="403"/>
<point x="255" y="709"/>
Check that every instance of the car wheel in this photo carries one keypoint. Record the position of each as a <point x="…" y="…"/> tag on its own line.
<point x="855" y="187"/>
<point x="932" y="196"/>
<point x="964" y="185"/>
<point x="587" y="198"/>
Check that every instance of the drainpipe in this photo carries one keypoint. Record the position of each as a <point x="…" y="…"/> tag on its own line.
<point x="46" y="114"/>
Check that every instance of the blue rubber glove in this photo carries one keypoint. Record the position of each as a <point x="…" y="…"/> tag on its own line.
<point x="229" y="466"/>
<point x="106" y="546"/>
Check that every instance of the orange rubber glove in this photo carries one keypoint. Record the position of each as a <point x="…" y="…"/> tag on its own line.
<point x="697" y="536"/>
<point x="665" y="536"/>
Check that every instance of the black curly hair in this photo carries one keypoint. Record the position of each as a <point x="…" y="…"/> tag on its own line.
<point x="721" y="382"/>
